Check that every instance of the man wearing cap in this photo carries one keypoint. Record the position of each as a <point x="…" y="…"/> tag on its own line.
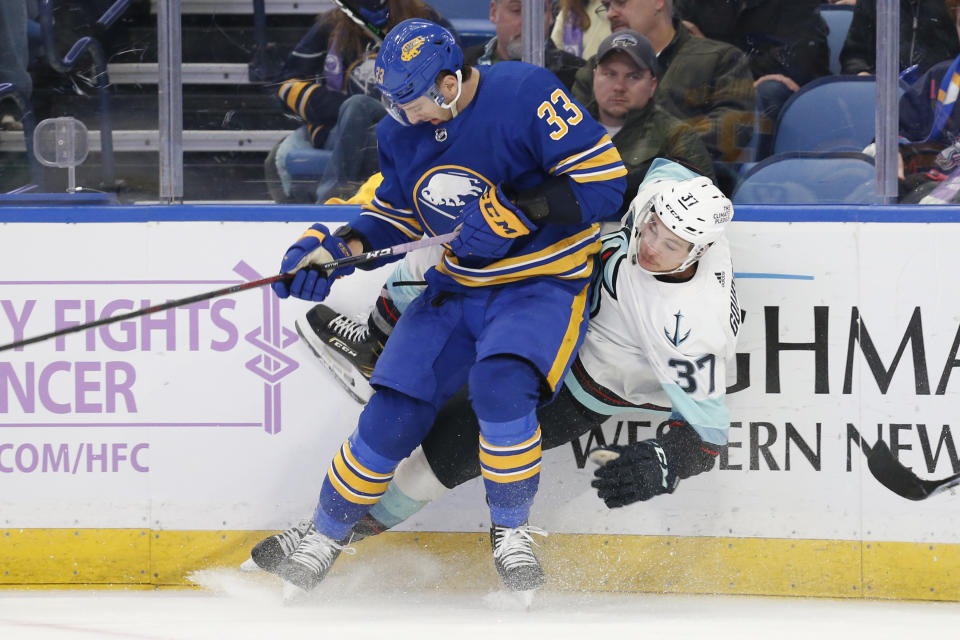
<point x="625" y="79"/>
<point x="705" y="83"/>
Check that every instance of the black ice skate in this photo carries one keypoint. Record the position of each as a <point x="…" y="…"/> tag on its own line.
<point x="513" y="556"/>
<point x="306" y="567"/>
<point x="344" y="346"/>
<point x="270" y="552"/>
<point x="366" y="527"/>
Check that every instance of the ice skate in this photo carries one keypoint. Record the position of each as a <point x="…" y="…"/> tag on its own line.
<point x="270" y="552"/>
<point x="366" y="527"/>
<point x="519" y="568"/>
<point x="306" y="567"/>
<point x="344" y="346"/>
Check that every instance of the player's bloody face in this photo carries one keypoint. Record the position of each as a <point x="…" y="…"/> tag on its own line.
<point x="660" y="250"/>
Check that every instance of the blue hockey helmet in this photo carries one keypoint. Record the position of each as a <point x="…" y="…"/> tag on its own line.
<point x="413" y="54"/>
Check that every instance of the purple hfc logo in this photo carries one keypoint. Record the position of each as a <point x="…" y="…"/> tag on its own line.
<point x="108" y="386"/>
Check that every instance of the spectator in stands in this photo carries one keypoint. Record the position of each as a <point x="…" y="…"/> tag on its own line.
<point x="506" y="44"/>
<point x="785" y="41"/>
<point x="329" y="85"/>
<point x="928" y="35"/>
<point x="705" y="83"/>
<point x="625" y="74"/>
<point x="14" y="56"/>
<point x="929" y="130"/>
<point x="580" y="27"/>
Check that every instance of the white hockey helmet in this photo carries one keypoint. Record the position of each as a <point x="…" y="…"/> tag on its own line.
<point x="695" y="210"/>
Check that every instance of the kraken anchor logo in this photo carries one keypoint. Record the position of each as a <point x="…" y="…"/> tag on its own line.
<point x="676" y="340"/>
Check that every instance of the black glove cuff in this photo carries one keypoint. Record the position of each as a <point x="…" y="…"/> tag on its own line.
<point x="553" y="201"/>
<point x="687" y="453"/>
<point x="348" y="233"/>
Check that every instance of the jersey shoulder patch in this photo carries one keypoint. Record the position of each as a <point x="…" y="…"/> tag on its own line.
<point x="613" y="251"/>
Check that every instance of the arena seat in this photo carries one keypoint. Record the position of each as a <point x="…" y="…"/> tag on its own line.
<point x="810" y="178"/>
<point x="838" y="18"/>
<point x="834" y="113"/>
<point x="471" y="19"/>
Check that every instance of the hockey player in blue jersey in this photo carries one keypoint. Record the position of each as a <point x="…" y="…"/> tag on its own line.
<point x="525" y="175"/>
<point x="669" y="262"/>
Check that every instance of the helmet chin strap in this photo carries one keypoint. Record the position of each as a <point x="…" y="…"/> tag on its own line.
<point x="452" y="105"/>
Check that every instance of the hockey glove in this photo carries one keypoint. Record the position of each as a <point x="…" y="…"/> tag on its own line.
<point x="489" y="226"/>
<point x="315" y="247"/>
<point x="640" y="471"/>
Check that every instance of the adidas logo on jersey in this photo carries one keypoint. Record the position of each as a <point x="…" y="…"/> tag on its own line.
<point x="721" y="278"/>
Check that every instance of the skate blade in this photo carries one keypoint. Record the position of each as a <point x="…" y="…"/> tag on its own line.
<point x="349" y="378"/>
<point x="505" y="600"/>
<point x="250" y="565"/>
<point x="292" y="594"/>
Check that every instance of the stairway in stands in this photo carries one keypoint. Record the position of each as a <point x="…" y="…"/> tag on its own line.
<point x="229" y="121"/>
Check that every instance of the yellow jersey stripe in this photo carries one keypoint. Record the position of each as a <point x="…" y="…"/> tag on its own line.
<point x="560" y="167"/>
<point x="506" y="463"/>
<point x="346" y="492"/>
<point x="609" y="157"/>
<point x="302" y="103"/>
<point x="357" y="482"/>
<point x="602" y="174"/>
<point x="290" y="91"/>
<point x="565" y="353"/>
<point x="504" y="478"/>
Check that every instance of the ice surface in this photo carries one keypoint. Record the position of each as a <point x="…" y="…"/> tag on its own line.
<point x="239" y="605"/>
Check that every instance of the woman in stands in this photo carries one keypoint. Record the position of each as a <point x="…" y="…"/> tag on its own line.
<point x="580" y="27"/>
<point x="328" y="83"/>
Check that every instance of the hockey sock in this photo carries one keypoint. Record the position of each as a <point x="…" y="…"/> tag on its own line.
<point x="390" y="427"/>
<point x="504" y="392"/>
<point x="414" y="486"/>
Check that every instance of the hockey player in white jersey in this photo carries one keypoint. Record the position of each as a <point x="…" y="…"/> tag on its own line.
<point x="664" y="322"/>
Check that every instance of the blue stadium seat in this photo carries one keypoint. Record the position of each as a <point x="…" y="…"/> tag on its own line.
<point x="471" y="19"/>
<point x="810" y="178"/>
<point x="838" y="18"/>
<point x="450" y="9"/>
<point x="835" y="113"/>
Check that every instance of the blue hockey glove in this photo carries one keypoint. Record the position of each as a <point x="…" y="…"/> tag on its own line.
<point x="315" y="247"/>
<point x="642" y="470"/>
<point x="489" y="226"/>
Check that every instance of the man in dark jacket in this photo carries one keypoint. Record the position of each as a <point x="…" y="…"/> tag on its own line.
<point x="928" y="35"/>
<point x="506" y="45"/>
<point x="705" y="83"/>
<point x="625" y="73"/>
<point x="785" y="40"/>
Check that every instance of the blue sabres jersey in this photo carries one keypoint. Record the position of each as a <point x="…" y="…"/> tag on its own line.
<point x="520" y="128"/>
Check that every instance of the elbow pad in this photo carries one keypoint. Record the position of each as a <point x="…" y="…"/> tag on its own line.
<point x="553" y="201"/>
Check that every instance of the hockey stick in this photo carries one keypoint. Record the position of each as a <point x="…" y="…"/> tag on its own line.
<point x="372" y="30"/>
<point x="360" y="258"/>
<point x="892" y="474"/>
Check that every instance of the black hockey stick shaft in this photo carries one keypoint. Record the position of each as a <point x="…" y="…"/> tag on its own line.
<point x="360" y="258"/>
<point x="896" y="477"/>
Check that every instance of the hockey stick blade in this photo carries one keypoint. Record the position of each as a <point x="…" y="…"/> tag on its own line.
<point x="892" y="474"/>
<point x="360" y="258"/>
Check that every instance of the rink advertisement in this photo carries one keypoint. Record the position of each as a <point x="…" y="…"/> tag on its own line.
<point x="215" y="416"/>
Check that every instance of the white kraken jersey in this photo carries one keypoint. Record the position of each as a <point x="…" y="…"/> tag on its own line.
<point x="659" y="345"/>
